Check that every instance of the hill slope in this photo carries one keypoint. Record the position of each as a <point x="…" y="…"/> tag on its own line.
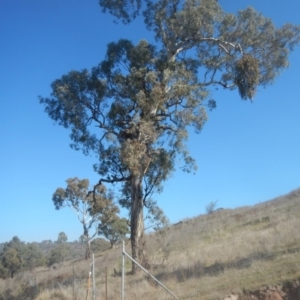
<point x="230" y="252"/>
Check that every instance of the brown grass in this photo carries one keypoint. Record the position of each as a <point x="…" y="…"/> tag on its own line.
<point x="206" y="257"/>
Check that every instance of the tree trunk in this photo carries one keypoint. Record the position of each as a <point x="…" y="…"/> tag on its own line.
<point x="88" y="250"/>
<point x="137" y="221"/>
<point x="88" y="243"/>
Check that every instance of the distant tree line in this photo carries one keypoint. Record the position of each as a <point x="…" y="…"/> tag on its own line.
<point x="17" y="256"/>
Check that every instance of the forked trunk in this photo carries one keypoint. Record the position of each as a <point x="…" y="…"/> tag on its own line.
<point x="137" y="221"/>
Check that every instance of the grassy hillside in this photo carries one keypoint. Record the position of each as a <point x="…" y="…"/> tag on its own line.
<point x="207" y="257"/>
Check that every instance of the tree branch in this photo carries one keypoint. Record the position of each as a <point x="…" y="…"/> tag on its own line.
<point x="114" y="180"/>
<point x="191" y="42"/>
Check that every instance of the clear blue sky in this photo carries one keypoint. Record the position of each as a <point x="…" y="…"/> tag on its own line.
<point x="247" y="152"/>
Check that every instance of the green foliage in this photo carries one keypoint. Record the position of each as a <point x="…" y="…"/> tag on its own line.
<point x="60" y="252"/>
<point x="15" y="243"/>
<point x="114" y="231"/>
<point x="17" y="256"/>
<point x="33" y="257"/>
<point x="155" y="219"/>
<point x="99" y="245"/>
<point x="125" y="10"/>
<point x="12" y="257"/>
<point x="11" y="261"/>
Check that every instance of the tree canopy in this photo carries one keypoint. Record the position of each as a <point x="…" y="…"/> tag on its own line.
<point x="62" y="238"/>
<point x="12" y="257"/>
<point x="33" y="257"/>
<point x="135" y="108"/>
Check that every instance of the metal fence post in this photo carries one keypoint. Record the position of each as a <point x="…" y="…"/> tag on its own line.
<point x="73" y="281"/>
<point x="105" y="283"/>
<point x="142" y="268"/>
<point x="123" y="271"/>
<point x="94" y="283"/>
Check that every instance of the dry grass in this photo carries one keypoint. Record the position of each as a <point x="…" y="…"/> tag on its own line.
<point x="206" y="257"/>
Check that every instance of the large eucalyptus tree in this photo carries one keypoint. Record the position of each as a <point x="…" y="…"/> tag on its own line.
<point x="134" y="109"/>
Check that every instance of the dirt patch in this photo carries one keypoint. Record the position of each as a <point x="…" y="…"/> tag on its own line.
<point x="286" y="291"/>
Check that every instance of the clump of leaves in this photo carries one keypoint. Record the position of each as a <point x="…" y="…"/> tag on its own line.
<point x="247" y="76"/>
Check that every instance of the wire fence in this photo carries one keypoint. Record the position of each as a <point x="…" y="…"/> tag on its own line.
<point x="92" y="294"/>
<point x="91" y="277"/>
<point x="124" y="254"/>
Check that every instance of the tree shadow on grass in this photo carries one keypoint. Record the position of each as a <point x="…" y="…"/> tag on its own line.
<point x="198" y="270"/>
<point x="26" y="293"/>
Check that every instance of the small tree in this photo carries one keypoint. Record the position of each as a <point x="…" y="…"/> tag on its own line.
<point x="114" y="231"/>
<point x="89" y="207"/>
<point x="62" y="238"/>
<point x="61" y="251"/>
<point x="11" y="261"/>
<point x="211" y="207"/>
<point x="17" y="244"/>
<point x="155" y="218"/>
